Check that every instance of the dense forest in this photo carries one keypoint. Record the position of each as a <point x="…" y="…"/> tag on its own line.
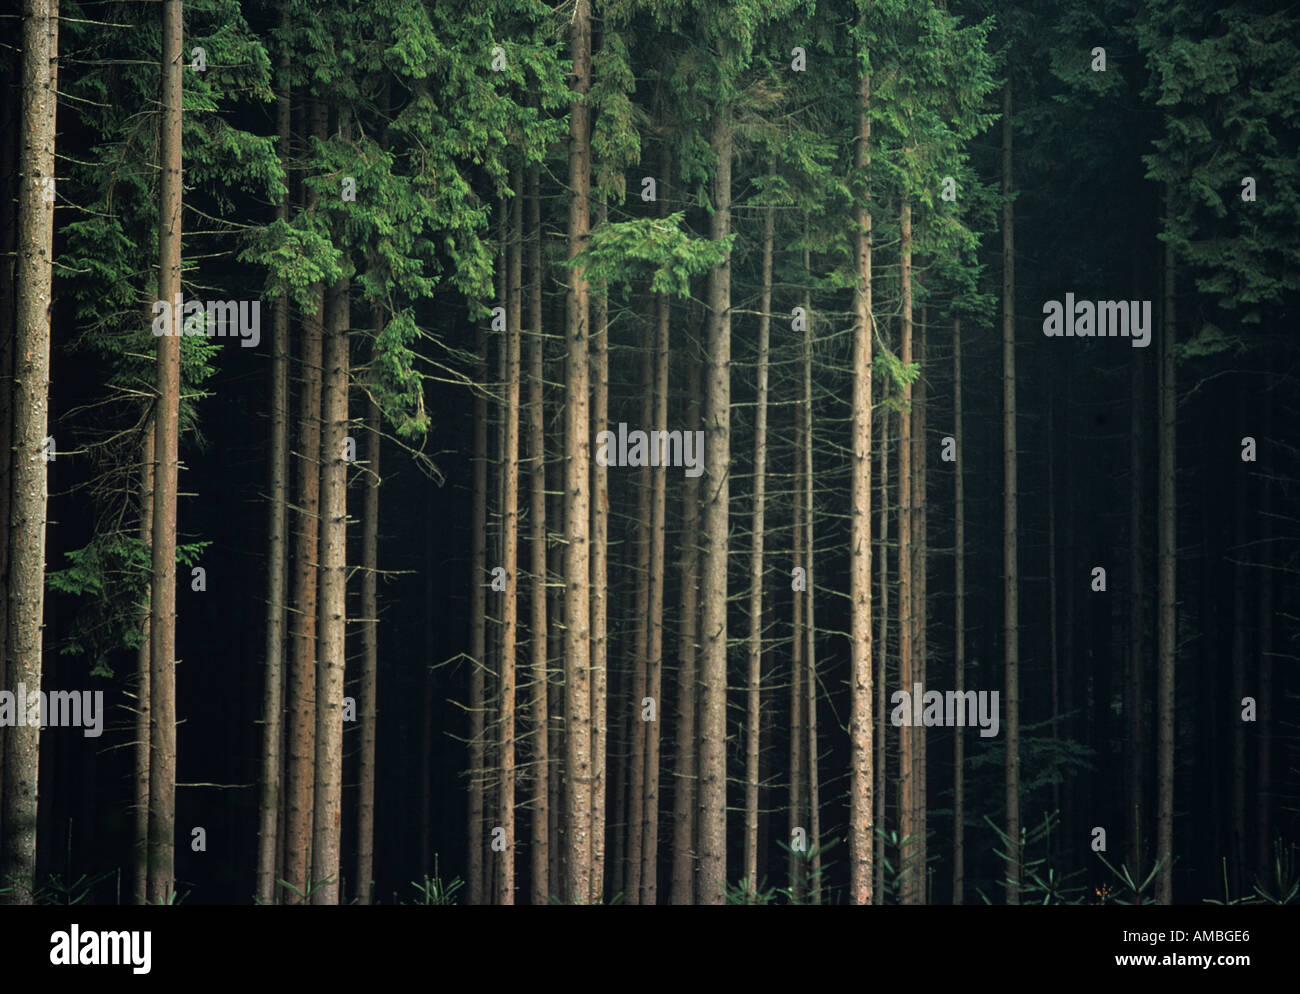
<point x="504" y="451"/>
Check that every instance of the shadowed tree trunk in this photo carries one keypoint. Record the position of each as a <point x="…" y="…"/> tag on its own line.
<point x="1166" y="508"/>
<point x="754" y="699"/>
<point x="29" y="414"/>
<point x="959" y="631"/>
<point x="712" y="865"/>
<point x="1011" y="622"/>
<point x="684" y="789"/>
<point x="540" y="871"/>
<point x="302" y="662"/>
<point x="276" y="546"/>
<point x="162" y="617"/>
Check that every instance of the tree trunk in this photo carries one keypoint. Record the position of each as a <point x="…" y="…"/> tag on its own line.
<point x="577" y="628"/>
<point x="798" y="699"/>
<point x="1264" y="735"/>
<point x="368" y="703"/>
<point x="754" y="701"/>
<point x="140" y="816"/>
<point x="332" y="614"/>
<point x="1136" y="745"/>
<point x="509" y="463"/>
<point x="599" y="594"/>
<point x="29" y="413"/>
<point x="906" y="599"/>
<point x="717" y="490"/>
<point x="881" y="756"/>
<point x="278" y="486"/>
<point x="684" y="790"/>
<point x="540" y="855"/>
<point x="919" y="609"/>
<point x="640" y="647"/>
<point x="655" y="633"/>
<point x="862" y="717"/>
<point x="478" y="620"/>
<point x="959" y="631"/>
<point x="162" y="616"/>
<point x="1165" y="615"/>
<point x="1011" y="623"/>
<point x="302" y="663"/>
<point x="810" y="628"/>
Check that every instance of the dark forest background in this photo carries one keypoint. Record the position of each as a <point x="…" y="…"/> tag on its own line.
<point x="1126" y="183"/>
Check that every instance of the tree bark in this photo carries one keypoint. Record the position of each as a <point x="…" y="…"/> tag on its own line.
<point x="332" y="614"/>
<point x="1011" y="623"/>
<point x="140" y="815"/>
<point x="577" y="629"/>
<point x="29" y="413"/>
<point x="684" y="790"/>
<point x="1166" y="618"/>
<point x="906" y="599"/>
<point x="278" y="487"/>
<point x="655" y="632"/>
<point x="301" y="784"/>
<point x="959" y="631"/>
<point x="862" y="716"/>
<point x="540" y="855"/>
<point x="368" y="702"/>
<point x="717" y="490"/>
<point x="754" y="697"/>
<point x="810" y="628"/>
<point x="599" y="593"/>
<point x="162" y="617"/>
<point x="509" y="462"/>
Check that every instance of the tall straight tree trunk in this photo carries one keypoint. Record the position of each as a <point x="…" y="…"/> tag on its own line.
<point x="332" y="615"/>
<point x="540" y="853"/>
<point x="684" y="789"/>
<point x="754" y="701"/>
<point x="959" y="632"/>
<point x="599" y="594"/>
<point x="301" y="785"/>
<point x="478" y="620"/>
<point x="367" y="705"/>
<point x="919" y="607"/>
<point x="276" y="546"/>
<point x="717" y="491"/>
<point x="1237" y="821"/>
<point x="509" y="463"/>
<point x="798" y="741"/>
<point x="1136" y="747"/>
<point x="30" y="414"/>
<point x="577" y="627"/>
<point x="640" y="645"/>
<point x="140" y="816"/>
<point x="162" y="616"/>
<point x="880" y="760"/>
<point x="906" y="599"/>
<point x="11" y="111"/>
<point x="1264" y="736"/>
<point x="1011" y="572"/>
<point x="655" y="631"/>
<point x="862" y="703"/>
<point x="810" y="628"/>
<point x="1165" y="617"/>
